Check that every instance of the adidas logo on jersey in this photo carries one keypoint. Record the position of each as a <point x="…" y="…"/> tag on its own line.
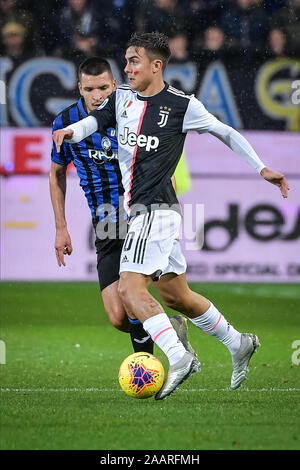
<point x="124" y="114"/>
<point x="125" y="259"/>
<point x="148" y="141"/>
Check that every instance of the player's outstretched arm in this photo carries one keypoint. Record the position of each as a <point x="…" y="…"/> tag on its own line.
<point x="75" y="132"/>
<point x="242" y="147"/>
<point x="234" y="140"/>
<point x="57" y="182"/>
<point x="199" y="119"/>
<point x="276" y="178"/>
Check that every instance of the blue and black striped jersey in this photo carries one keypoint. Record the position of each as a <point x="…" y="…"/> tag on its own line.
<point x="98" y="169"/>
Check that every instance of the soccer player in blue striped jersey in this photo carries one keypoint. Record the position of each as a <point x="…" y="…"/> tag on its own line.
<point x="96" y="162"/>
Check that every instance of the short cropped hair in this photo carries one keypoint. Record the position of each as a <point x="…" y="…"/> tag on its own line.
<point x="156" y="45"/>
<point x="94" y="66"/>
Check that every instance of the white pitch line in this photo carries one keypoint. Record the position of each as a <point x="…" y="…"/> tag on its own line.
<point x="63" y="390"/>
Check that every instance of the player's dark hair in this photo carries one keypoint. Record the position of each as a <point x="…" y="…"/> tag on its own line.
<point x="156" y="45"/>
<point x="94" y="66"/>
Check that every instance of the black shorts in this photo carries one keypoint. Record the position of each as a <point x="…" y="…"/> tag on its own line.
<point x="108" y="261"/>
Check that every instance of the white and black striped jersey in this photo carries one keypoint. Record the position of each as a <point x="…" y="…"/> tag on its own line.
<point x="151" y="133"/>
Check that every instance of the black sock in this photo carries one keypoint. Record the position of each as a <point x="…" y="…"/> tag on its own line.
<point x="141" y="340"/>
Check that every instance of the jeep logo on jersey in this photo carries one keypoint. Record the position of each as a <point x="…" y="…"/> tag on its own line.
<point x="148" y="141"/>
<point x="163" y="114"/>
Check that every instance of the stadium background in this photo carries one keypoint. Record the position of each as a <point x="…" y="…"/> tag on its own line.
<point x="242" y="59"/>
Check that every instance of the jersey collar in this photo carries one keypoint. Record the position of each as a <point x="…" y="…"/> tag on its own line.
<point x="81" y="107"/>
<point x="148" y="98"/>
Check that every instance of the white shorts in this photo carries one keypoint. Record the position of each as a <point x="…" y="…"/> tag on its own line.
<point x="151" y="246"/>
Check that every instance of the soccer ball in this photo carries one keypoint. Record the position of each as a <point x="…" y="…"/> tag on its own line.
<point x="141" y="375"/>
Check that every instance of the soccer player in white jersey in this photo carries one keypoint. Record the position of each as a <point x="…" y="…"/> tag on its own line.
<point x="152" y="120"/>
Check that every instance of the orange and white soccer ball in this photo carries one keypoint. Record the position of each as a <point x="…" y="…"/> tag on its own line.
<point x="141" y="375"/>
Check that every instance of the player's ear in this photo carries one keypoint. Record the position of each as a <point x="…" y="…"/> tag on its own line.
<point x="157" y="65"/>
<point x="114" y="84"/>
<point x="80" y="88"/>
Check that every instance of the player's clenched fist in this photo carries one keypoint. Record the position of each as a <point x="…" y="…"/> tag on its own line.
<point x="60" y="135"/>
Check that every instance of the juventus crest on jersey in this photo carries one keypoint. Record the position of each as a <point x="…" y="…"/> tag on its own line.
<point x="151" y="133"/>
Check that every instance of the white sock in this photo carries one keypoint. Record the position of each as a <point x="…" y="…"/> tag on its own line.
<point x="214" y="323"/>
<point x="163" y="334"/>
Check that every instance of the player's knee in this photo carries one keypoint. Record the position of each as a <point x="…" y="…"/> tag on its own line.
<point x="123" y="291"/>
<point x="126" y="289"/>
<point x="130" y="293"/>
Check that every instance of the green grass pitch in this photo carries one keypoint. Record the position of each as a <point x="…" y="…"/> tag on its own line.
<point x="60" y="390"/>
